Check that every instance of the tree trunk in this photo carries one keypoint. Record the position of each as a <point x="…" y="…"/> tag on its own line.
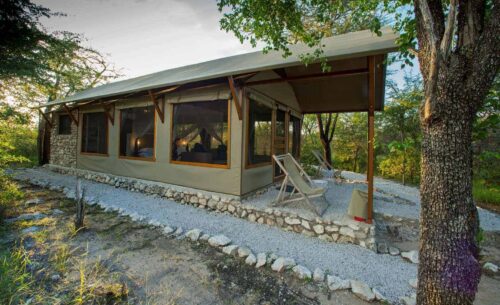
<point x="449" y="271"/>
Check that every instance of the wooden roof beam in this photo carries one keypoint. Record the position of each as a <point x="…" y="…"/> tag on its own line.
<point x="235" y="97"/>
<point x="70" y="113"/>
<point x="308" y="77"/>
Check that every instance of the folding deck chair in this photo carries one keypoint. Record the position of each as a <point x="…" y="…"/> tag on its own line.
<point x="323" y="164"/>
<point x="302" y="184"/>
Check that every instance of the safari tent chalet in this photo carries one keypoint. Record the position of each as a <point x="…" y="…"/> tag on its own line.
<point x="215" y="125"/>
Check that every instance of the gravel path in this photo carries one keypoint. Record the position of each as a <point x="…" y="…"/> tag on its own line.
<point x="389" y="274"/>
<point x="489" y="221"/>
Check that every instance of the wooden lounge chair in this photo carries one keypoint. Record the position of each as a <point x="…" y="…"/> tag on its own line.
<point x="303" y="187"/>
<point x="323" y="165"/>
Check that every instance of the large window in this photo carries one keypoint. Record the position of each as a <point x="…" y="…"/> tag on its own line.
<point x="94" y="133"/>
<point x="200" y="132"/>
<point x="259" y="133"/>
<point x="137" y="132"/>
<point x="294" y="136"/>
<point x="64" y="124"/>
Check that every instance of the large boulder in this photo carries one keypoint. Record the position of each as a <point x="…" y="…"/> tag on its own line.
<point x="230" y="250"/>
<point x="219" y="241"/>
<point x="362" y="290"/>
<point x="336" y="283"/>
<point x="302" y="272"/>
<point x="261" y="260"/>
<point x="318" y="275"/>
<point x="194" y="234"/>
<point x="282" y="263"/>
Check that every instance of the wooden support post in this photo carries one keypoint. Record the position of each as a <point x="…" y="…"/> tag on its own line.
<point x="159" y="110"/>
<point x="371" y="133"/>
<point x="108" y="109"/>
<point x="46" y="118"/>
<point x="75" y="120"/>
<point x="235" y="96"/>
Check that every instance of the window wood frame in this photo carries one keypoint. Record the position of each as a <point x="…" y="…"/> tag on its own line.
<point x="148" y="159"/>
<point x="202" y="164"/>
<point x="247" y="137"/>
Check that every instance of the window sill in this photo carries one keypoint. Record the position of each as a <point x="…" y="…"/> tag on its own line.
<point x="199" y="164"/>
<point x="152" y="159"/>
<point x="94" y="154"/>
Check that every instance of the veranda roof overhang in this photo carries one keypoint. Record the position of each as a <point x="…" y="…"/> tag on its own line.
<point x="343" y="89"/>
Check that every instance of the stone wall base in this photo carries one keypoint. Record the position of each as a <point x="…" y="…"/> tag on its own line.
<point x="345" y="231"/>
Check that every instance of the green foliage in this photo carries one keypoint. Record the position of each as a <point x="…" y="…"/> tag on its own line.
<point x="17" y="144"/>
<point x="24" y="42"/>
<point x="15" y="281"/>
<point x="486" y="191"/>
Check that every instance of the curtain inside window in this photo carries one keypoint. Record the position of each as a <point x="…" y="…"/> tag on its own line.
<point x="200" y="132"/>
<point x="137" y="132"/>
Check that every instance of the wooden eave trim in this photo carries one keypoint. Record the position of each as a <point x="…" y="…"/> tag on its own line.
<point x="73" y="118"/>
<point x="160" y="111"/>
<point x="108" y="109"/>
<point x="46" y="118"/>
<point x="235" y="97"/>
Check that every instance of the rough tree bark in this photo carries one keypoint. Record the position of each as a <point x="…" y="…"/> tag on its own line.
<point x="459" y="58"/>
<point x="326" y="132"/>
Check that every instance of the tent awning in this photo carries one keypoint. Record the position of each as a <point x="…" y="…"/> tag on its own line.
<point x="351" y="45"/>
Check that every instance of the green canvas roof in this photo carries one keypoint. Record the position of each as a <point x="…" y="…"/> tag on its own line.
<point x="349" y="45"/>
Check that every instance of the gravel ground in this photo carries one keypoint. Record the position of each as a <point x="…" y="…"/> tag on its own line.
<point x="489" y="221"/>
<point x="389" y="274"/>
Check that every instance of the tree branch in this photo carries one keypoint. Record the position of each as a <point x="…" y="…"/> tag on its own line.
<point x="449" y="31"/>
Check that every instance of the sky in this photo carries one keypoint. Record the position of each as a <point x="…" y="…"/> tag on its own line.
<point x="145" y="36"/>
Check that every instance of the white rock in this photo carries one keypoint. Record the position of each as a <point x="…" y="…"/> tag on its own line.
<point x="347" y="232"/>
<point x="292" y="221"/>
<point x="336" y="283"/>
<point x="411" y="300"/>
<point x="378" y="295"/>
<point x="168" y="230"/>
<point x="271" y="258"/>
<point x="319" y="229"/>
<point x="302" y="272"/>
<point x="251" y="260"/>
<point x="394" y="251"/>
<point x="179" y="231"/>
<point x="244" y="252"/>
<point x="491" y="267"/>
<point x="282" y="263"/>
<point x="205" y="237"/>
<point x="412" y="256"/>
<point x="413" y="283"/>
<point x="362" y="290"/>
<point x="318" y="275"/>
<point x="305" y="224"/>
<point x="218" y="241"/>
<point x="230" y="250"/>
<point x="194" y="234"/>
<point x="261" y="260"/>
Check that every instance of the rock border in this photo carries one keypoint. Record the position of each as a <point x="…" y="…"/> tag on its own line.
<point x="343" y="231"/>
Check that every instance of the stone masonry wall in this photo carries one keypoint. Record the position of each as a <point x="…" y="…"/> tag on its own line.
<point x="63" y="148"/>
<point x="345" y="231"/>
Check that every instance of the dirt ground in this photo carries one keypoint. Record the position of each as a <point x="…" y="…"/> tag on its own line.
<point x="116" y="261"/>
